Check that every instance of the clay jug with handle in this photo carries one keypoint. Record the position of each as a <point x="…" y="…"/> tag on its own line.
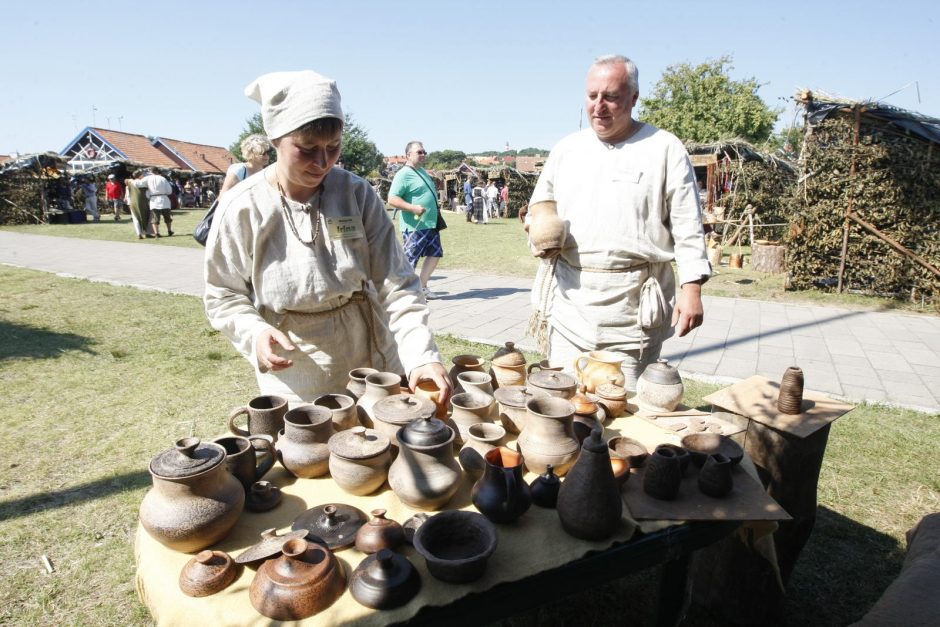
<point x="594" y="367"/>
<point x="501" y="494"/>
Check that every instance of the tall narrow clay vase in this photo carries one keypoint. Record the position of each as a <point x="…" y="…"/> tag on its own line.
<point x="790" y="400"/>
<point x="501" y="494"/>
<point x="589" y="504"/>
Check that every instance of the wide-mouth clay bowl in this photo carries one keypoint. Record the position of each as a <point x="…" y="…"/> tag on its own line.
<point x="628" y="449"/>
<point x="701" y="445"/>
<point x="456" y="545"/>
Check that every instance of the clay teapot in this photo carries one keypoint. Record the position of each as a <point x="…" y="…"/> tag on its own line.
<point x="194" y="501"/>
<point x="660" y="387"/>
<point x="425" y="475"/>
<point x="547" y="231"/>
<point x="594" y="367"/>
<point x="508" y="366"/>
<point x="589" y="503"/>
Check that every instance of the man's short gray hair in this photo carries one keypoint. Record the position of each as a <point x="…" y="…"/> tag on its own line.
<point x="412" y="144"/>
<point x="633" y="75"/>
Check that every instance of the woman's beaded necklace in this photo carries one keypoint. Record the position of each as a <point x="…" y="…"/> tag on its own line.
<point x="306" y="209"/>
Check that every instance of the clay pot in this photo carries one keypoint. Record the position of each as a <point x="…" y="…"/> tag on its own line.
<point x="429" y="390"/>
<point x="612" y="397"/>
<point x="701" y="445"/>
<point x="265" y="416"/>
<point x="263" y="496"/>
<point x="359" y="460"/>
<point x="589" y="504"/>
<point x="660" y="387"/>
<point x="207" y="573"/>
<point x="379" y="385"/>
<point x="456" y="545"/>
<point x="663" y="474"/>
<point x="545" y="488"/>
<point x="512" y="411"/>
<point x="468" y="410"/>
<point x="790" y="399"/>
<point x="628" y="449"/>
<point x="482" y="438"/>
<point x="551" y="383"/>
<point x="384" y="581"/>
<point x="302" y="446"/>
<point x="194" y="501"/>
<point x="241" y="457"/>
<point x="508" y="366"/>
<point x="547" y="231"/>
<point x="342" y="408"/>
<point x="379" y="533"/>
<point x="501" y="494"/>
<point x="478" y="384"/>
<point x="356" y="385"/>
<point x="548" y="436"/>
<point x="465" y="363"/>
<point x="425" y="474"/>
<point x="305" y="580"/>
<point x="595" y="368"/>
<point x="681" y="454"/>
<point x="394" y="412"/>
<point x="586" y="415"/>
<point x="714" y="479"/>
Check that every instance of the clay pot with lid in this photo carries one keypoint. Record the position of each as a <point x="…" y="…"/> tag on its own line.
<point x="194" y="501"/>
<point x="302" y="445"/>
<point x="589" y="504"/>
<point x="613" y="397"/>
<point x="305" y="580"/>
<point x="508" y="366"/>
<point x="378" y="385"/>
<point x="547" y="231"/>
<point x="512" y="411"/>
<point x="465" y="363"/>
<point x="394" y="412"/>
<point x="552" y="383"/>
<point x="425" y="475"/>
<point x="548" y="436"/>
<point x="359" y="460"/>
<point x="379" y="533"/>
<point x="384" y="581"/>
<point x="660" y="387"/>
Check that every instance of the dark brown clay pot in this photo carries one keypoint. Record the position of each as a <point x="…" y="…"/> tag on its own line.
<point x="305" y="580"/>
<point x="701" y="445"/>
<point x="663" y="474"/>
<point x="589" y="503"/>
<point x="384" y="580"/>
<point x="456" y="545"/>
<point x="207" y="573"/>
<point x="681" y="454"/>
<point x="242" y="459"/>
<point x="714" y="479"/>
<point x="263" y="496"/>
<point x="790" y="399"/>
<point x="379" y="533"/>
<point x="545" y="488"/>
<point x="501" y="494"/>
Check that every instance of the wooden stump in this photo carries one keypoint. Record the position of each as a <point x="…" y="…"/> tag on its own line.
<point x="768" y="258"/>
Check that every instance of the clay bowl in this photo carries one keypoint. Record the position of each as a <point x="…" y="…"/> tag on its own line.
<point x="621" y="468"/>
<point x="628" y="449"/>
<point x="701" y="445"/>
<point x="456" y="545"/>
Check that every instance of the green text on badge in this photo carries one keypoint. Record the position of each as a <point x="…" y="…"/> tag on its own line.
<point x="345" y="227"/>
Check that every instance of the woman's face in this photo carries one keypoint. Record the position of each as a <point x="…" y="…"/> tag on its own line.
<point x="306" y="159"/>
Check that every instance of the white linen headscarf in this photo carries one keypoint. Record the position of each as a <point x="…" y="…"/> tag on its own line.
<point x="291" y="99"/>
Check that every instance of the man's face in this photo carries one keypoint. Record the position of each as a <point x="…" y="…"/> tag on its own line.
<point x="609" y="102"/>
<point x="417" y="155"/>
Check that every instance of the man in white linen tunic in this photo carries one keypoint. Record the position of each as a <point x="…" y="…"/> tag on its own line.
<point x="627" y="192"/>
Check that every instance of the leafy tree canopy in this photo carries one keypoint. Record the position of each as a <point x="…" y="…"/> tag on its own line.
<point x="445" y="159"/>
<point x="360" y="155"/>
<point x="701" y="103"/>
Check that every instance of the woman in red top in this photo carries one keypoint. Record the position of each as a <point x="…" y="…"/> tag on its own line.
<point x="115" y="193"/>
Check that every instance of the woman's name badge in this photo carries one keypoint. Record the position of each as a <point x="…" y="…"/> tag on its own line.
<point x="345" y="227"/>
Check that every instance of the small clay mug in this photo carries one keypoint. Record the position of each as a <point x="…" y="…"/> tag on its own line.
<point x="265" y="416"/>
<point x="242" y="460"/>
<point x="343" y="408"/>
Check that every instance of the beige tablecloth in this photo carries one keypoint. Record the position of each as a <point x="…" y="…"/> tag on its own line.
<point x="534" y="543"/>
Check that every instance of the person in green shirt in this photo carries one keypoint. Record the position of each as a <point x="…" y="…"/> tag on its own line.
<point x="414" y="193"/>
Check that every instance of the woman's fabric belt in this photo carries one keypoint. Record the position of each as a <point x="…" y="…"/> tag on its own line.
<point x="637" y="265"/>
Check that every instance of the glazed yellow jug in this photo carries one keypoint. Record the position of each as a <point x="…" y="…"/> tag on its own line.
<point x="594" y="367"/>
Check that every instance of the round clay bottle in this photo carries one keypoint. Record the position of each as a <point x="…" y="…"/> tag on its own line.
<point x="545" y="488"/>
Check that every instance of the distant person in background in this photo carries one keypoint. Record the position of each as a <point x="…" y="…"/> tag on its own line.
<point x="256" y="150"/>
<point x="114" y="190"/>
<point x="158" y="193"/>
<point x="504" y="201"/>
<point x="197" y="193"/>
<point x="479" y="205"/>
<point x="492" y="199"/>
<point x="136" y="199"/>
<point x="91" y="198"/>
<point x="468" y="198"/>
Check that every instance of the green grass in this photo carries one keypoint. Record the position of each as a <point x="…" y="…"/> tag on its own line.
<point x="97" y="379"/>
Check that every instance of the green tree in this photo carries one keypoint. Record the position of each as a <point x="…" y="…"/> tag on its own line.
<point x="445" y="159"/>
<point x="702" y="104"/>
<point x="360" y="155"/>
<point x="532" y="152"/>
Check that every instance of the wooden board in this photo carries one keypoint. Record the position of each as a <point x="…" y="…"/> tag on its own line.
<point x="684" y="420"/>
<point x="747" y="501"/>
<point x="756" y="398"/>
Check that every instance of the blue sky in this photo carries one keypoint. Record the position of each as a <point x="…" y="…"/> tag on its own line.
<point x="469" y="76"/>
